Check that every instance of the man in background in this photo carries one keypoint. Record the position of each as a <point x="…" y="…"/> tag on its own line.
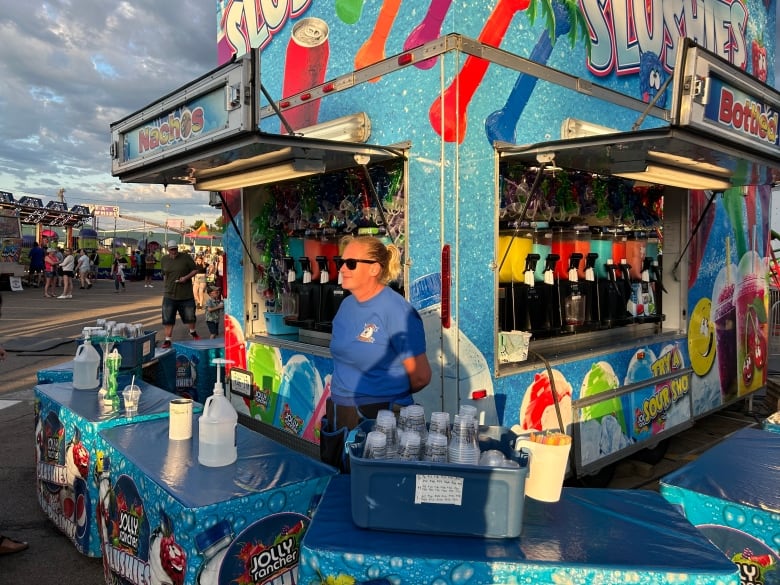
<point x="177" y="270"/>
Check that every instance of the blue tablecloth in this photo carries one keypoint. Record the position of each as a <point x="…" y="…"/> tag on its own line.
<point x="589" y="536"/>
<point x="68" y="459"/>
<point x="249" y="510"/>
<point x="732" y="493"/>
<point x="193" y="375"/>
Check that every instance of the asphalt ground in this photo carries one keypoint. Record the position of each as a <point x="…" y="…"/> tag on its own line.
<point x="29" y="320"/>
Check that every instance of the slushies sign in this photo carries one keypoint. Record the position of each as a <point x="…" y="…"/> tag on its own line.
<point x="251" y="24"/>
<point x="625" y="34"/>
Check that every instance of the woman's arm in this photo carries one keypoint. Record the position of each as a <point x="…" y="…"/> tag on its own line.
<point x="419" y="371"/>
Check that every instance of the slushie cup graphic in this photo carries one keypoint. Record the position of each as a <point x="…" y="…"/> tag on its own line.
<point x="724" y="316"/>
<point x="751" y="323"/>
<point x="537" y="411"/>
<point x="299" y="392"/>
<point x="639" y="370"/>
<point x="265" y="363"/>
<point x="602" y="378"/>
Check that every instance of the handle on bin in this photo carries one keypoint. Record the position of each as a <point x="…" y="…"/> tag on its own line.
<point x="356" y="435"/>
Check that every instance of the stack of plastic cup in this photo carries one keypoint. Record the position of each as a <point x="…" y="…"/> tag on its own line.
<point x="440" y="423"/>
<point x="471" y="410"/>
<point x="463" y="446"/>
<point x="435" y="447"/>
<point x="385" y="423"/>
<point x="409" y="446"/>
<point x="376" y="446"/>
<point x="415" y="420"/>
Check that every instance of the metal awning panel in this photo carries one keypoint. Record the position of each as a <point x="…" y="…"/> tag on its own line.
<point x="253" y="150"/>
<point x="681" y="148"/>
<point x="725" y="128"/>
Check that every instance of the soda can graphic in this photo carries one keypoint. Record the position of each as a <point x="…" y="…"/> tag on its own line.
<point x="305" y="64"/>
<point x="82" y="515"/>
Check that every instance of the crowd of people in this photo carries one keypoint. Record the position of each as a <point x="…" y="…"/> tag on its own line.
<point x="56" y="269"/>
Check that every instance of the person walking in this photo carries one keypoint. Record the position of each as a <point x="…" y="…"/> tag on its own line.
<point x="215" y="311"/>
<point x="83" y="268"/>
<point x="50" y="262"/>
<point x="60" y="257"/>
<point x="118" y="268"/>
<point x="37" y="266"/>
<point x="178" y="270"/>
<point x="149" y="260"/>
<point x="94" y="262"/>
<point x="199" y="282"/>
<point x="68" y="266"/>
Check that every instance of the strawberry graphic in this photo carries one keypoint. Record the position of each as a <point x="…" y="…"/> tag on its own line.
<point x="77" y="457"/>
<point x="758" y="54"/>
<point x="167" y="558"/>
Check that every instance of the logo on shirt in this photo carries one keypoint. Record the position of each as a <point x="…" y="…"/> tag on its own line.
<point x="367" y="335"/>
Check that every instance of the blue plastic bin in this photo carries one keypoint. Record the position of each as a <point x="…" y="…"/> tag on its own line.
<point x="440" y="498"/>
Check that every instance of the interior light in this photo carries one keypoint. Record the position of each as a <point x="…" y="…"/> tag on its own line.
<point x="285" y="163"/>
<point x="666" y="175"/>
<point x="257" y="176"/>
<point x="351" y="128"/>
<point x="261" y="160"/>
<point x="685" y="161"/>
<point x="574" y="128"/>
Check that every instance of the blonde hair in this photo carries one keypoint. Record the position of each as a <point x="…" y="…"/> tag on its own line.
<point x="387" y="255"/>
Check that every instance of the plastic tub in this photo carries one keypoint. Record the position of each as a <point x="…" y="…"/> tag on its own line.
<point x="441" y="498"/>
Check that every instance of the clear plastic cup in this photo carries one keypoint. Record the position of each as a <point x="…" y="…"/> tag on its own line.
<point x="492" y="458"/>
<point x="435" y="447"/>
<point x="409" y="446"/>
<point x="386" y="424"/>
<point x="131" y="395"/>
<point x="415" y="420"/>
<point x="463" y="446"/>
<point x="440" y="423"/>
<point x="376" y="446"/>
<point x="402" y="416"/>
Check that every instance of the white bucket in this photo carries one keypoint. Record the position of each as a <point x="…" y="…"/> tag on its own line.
<point x="546" y="468"/>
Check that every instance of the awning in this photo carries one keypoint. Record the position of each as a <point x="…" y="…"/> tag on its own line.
<point x="724" y="133"/>
<point x="207" y="134"/>
<point x="257" y="152"/>
<point x="679" y="150"/>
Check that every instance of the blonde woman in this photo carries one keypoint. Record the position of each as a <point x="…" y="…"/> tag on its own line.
<point x="378" y="340"/>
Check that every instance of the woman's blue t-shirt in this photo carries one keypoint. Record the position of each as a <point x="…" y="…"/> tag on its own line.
<point x="369" y="343"/>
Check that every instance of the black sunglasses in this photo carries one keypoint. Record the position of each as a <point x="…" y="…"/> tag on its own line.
<point x="351" y="263"/>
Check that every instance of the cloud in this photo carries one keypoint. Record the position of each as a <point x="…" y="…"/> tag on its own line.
<point x="71" y="68"/>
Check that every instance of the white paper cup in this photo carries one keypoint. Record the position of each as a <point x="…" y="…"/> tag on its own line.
<point x="546" y="469"/>
<point x="180" y="419"/>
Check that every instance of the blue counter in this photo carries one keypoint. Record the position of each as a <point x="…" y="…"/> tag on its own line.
<point x="731" y="493"/>
<point x="68" y="459"/>
<point x="589" y="536"/>
<point x="170" y="519"/>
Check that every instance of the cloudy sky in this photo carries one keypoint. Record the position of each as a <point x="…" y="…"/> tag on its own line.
<point x="69" y="68"/>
